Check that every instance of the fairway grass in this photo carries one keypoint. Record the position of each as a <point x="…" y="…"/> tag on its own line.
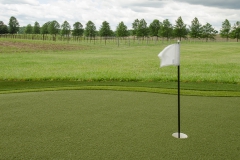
<point x="200" y="62"/>
<point x="117" y="125"/>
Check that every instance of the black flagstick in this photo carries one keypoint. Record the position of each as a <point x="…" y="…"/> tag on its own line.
<point x="179" y="101"/>
<point x="179" y="134"/>
<point x="179" y="95"/>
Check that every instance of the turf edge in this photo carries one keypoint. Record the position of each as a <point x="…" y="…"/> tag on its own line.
<point x="137" y="89"/>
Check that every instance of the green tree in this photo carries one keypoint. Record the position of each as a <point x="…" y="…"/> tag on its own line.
<point x="208" y="32"/>
<point x="29" y="29"/>
<point x="235" y="33"/>
<point x="154" y="27"/>
<point x="166" y="29"/>
<point x="90" y="29"/>
<point x="135" y="25"/>
<point x="44" y="29"/>
<point x="121" y="30"/>
<point x="130" y="32"/>
<point x="13" y="25"/>
<point x="180" y="29"/>
<point x="105" y="29"/>
<point x="53" y="29"/>
<point x="225" y="30"/>
<point x="195" y="30"/>
<point x="142" y="29"/>
<point x="77" y="29"/>
<point x="36" y="28"/>
<point x="66" y="28"/>
<point x="3" y="28"/>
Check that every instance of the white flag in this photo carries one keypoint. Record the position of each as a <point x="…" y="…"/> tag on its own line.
<point x="170" y="55"/>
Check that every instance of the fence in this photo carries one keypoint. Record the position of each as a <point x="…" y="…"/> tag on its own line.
<point x="105" y="40"/>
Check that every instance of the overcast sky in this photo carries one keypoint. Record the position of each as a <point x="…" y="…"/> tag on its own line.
<point x="115" y="11"/>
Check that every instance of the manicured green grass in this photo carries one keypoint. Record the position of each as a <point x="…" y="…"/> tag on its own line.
<point x="200" y="62"/>
<point x="116" y="125"/>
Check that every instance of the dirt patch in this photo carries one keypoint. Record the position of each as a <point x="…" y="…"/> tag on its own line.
<point x="16" y="46"/>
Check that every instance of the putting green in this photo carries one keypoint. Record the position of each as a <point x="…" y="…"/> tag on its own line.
<point x="99" y="124"/>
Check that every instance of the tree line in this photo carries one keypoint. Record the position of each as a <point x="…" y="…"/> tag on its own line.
<point x="139" y="29"/>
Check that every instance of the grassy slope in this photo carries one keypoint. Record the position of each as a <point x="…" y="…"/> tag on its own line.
<point x="116" y="125"/>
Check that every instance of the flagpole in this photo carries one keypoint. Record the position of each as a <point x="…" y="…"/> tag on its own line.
<point x="179" y="124"/>
<point x="171" y="56"/>
<point x="179" y="134"/>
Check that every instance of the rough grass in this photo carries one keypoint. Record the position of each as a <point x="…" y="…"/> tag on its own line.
<point x="19" y="46"/>
<point x="116" y="125"/>
<point x="200" y="62"/>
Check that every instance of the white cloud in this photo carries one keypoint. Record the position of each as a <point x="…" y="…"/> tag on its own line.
<point x="29" y="11"/>
<point x="30" y="2"/>
<point x="230" y="4"/>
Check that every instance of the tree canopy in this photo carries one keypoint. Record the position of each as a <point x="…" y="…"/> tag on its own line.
<point x="36" y="28"/>
<point x="135" y="26"/>
<point x="235" y="33"/>
<point x="29" y="29"/>
<point x="13" y="25"/>
<point x="225" y="30"/>
<point x="208" y="32"/>
<point x="105" y="29"/>
<point x="3" y="28"/>
<point x="139" y="28"/>
<point x="195" y="29"/>
<point x="167" y="29"/>
<point x="90" y="29"/>
<point x="180" y="29"/>
<point x="77" y="29"/>
<point x="121" y="30"/>
<point x="66" y="28"/>
<point x="142" y="28"/>
<point x="154" y="27"/>
<point x="53" y="27"/>
<point x="44" y="29"/>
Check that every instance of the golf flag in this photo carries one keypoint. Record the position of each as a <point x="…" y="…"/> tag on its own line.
<point x="170" y="55"/>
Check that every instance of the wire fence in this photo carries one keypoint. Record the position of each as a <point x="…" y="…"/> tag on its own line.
<point x="130" y="40"/>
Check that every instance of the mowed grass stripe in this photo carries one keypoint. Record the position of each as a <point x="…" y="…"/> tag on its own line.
<point x="116" y="125"/>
